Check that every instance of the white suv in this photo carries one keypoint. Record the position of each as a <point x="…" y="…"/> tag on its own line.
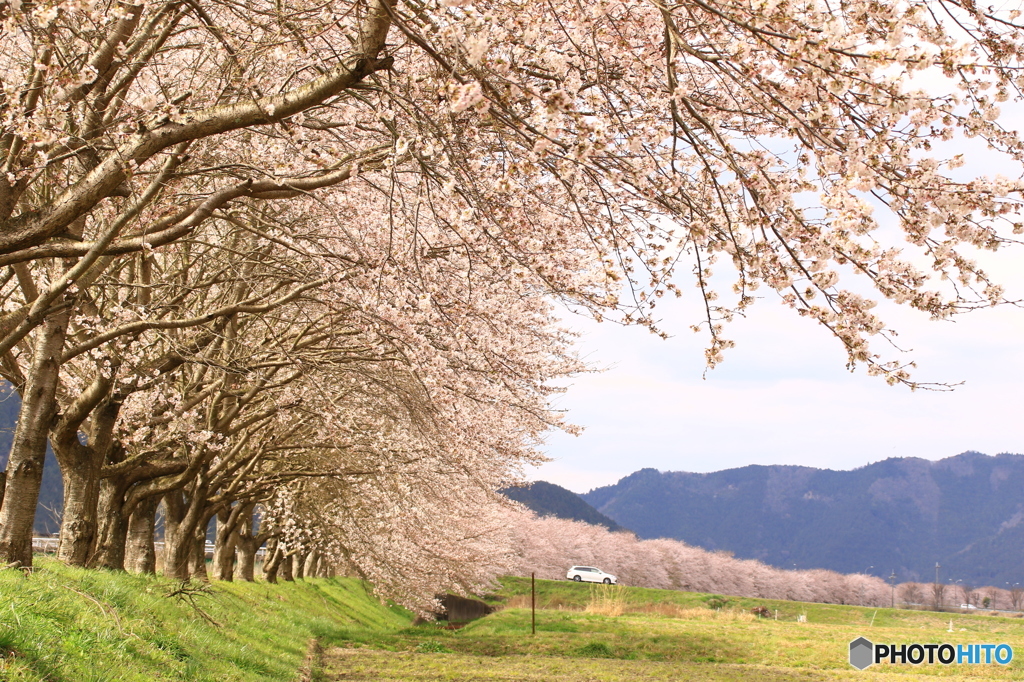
<point x="589" y="574"/>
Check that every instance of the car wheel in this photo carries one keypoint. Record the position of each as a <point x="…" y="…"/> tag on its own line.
<point x="577" y="578"/>
<point x="607" y="581"/>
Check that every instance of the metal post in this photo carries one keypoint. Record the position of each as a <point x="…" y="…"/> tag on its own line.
<point x="533" y="603"/>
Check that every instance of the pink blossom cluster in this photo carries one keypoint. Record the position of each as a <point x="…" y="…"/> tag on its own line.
<point x="305" y="258"/>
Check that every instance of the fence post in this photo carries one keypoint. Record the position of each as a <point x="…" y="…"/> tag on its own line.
<point x="533" y="603"/>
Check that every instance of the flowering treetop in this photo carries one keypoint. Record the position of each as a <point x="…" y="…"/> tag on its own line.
<point x="596" y="146"/>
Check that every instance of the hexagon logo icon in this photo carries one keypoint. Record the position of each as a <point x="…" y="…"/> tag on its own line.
<point x="862" y="653"/>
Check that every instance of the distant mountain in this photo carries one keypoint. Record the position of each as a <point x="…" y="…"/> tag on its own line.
<point x="548" y="499"/>
<point x="51" y="493"/>
<point x="965" y="512"/>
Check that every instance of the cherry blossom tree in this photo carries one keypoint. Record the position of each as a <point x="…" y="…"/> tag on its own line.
<point x="912" y="594"/>
<point x="1016" y="596"/>
<point x="478" y="356"/>
<point x="548" y="546"/>
<point x="462" y="161"/>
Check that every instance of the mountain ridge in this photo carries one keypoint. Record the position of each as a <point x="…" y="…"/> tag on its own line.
<point x="548" y="499"/>
<point x="899" y="514"/>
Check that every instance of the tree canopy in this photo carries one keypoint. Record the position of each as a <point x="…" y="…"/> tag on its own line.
<point x="252" y="248"/>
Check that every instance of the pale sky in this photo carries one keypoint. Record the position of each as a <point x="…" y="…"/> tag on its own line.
<point x="783" y="395"/>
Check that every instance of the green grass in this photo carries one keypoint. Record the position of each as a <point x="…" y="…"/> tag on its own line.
<point x="663" y="635"/>
<point x="61" y="623"/>
<point x="373" y="666"/>
<point x="78" y="625"/>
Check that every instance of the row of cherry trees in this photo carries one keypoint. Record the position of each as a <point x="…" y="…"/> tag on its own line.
<point x="302" y="257"/>
<point x="940" y="595"/>
<point x="548" y="546"/>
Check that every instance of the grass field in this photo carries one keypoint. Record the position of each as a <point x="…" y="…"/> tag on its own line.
<point x="599" y="634"/>
<point x="61" y="624"/>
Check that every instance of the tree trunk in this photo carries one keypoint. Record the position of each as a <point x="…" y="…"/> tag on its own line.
<point x="286" y="565"/>
<point x="112" y="526"/>
<point x="180" y="555"/>
<point x="224" y="545"/>
<point x="3" y="486"/>
<point x="174" y="513"/>
<point x="312" y="559"/>
<point x="245" y="569"/>
<point x="28" y="451"/>
<point x="140" y="552"/>
<point x="81" y="495"/>
<point x="299" y="565"/>
<point x="197" y="565"/>
<point x="245" y="566"/>
<point x="80" y="466"/>
<point x="197" y="559"/>
<point x="272" y="561"/>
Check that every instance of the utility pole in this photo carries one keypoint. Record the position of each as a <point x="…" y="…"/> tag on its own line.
<point x="936" y="572"/>
<point x="533" y="603"/>
<point x="892" y="581"/>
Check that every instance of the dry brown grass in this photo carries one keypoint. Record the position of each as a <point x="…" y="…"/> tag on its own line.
<point x="611" y="600"/>
<point x="522" y="601"/>
<point x="676" y="611"/>
<point x="607" y="600"/>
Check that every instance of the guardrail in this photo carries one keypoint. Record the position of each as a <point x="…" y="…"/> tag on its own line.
<point x="43" y="545"/>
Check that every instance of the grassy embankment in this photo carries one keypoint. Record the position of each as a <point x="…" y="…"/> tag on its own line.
<point x="603" y="634"/>
<point x="75" y="625"/>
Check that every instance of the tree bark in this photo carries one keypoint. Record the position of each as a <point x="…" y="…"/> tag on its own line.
<point x="225" y="543"/>
<point x="309" y="568"/>
<point x="81" y="465"/>
<point x="112" y="526"/>
<point x="286" y="565"/>
<point x="3" y="487"/>
<point x="299" y="565"/>
<point x="272" y="562"/>
<point x="245" y="569"/>
<point x="28" y="451"/>
<point x="197" y="568"/>
<point x="179" y="555"/>
<point x="175" y="561"/>
<point x="81" y="495"/>
<point x="197" y="558"/>
<point x="140" y="551"/>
